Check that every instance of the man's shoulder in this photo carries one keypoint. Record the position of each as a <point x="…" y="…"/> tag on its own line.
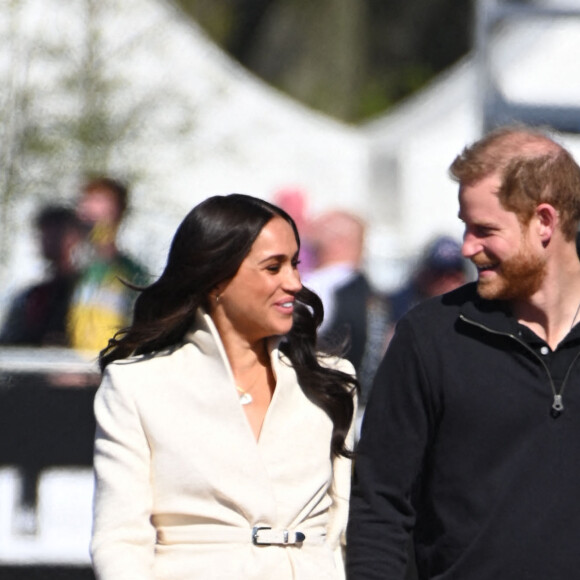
<point x="356" y="287"/>
<point x="131" y="268"/>
<point x="445" y="306"/>
<point x="34" y="291"/>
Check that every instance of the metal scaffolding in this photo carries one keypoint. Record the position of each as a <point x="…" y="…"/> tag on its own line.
<point x="496" y="108"/>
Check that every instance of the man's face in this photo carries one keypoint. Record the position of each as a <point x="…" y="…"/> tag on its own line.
<point x="99" y="210"/>
<point x="99" y="206"/>
<point x="507" y="256"/>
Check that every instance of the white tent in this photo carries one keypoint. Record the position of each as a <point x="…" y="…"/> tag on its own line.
<point x="212" y="127"/>
<point x="532" y="60"/>
<point x="229" y="131"/>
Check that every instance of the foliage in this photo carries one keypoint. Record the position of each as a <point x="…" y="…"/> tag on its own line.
<point x="350" y="58"/>
<point x="69" y="107"/>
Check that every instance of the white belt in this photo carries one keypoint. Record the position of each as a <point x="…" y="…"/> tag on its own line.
<point x="258" y="535"/>
<point x="265" y="536"/>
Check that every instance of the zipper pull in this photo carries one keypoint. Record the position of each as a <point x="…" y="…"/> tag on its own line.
<point x="557" y="406"/>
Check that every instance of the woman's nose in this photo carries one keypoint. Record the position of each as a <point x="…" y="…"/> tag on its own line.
<point x="292" y="281"/>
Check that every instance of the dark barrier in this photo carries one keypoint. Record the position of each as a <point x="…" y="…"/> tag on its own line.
<point x="46" y="573"/>
<point x="44" y="425"/>
<point x="46" y="421"/>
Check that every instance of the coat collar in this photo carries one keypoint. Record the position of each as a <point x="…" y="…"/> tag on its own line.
<point x="496" y="315"/>
<point x="205" y="336"/>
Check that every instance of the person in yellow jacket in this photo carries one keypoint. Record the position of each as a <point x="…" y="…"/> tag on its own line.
<point x="102" y="302"/>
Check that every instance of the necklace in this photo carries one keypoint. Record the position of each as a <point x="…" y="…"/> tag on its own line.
<point x="575" y="316"/>
<point x="245" y="397"/>
<point x="558" y="404"/>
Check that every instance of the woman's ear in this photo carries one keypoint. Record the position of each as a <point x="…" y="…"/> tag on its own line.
<point x="216" y="293"/>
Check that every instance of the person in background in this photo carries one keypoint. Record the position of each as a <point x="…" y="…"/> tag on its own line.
<point x="471" y="435"/>
<point x="38" y="315"/>
<point x="103" y="300"/>
<point x="38" y="318"/>
<point x="224" y="438"/>
<point x="294" y="202"/>
<point x="442" y="268"/>
<point x="356" y="317"/>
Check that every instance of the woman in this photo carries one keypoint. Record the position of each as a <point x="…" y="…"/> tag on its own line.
<point x="223" y="439"/>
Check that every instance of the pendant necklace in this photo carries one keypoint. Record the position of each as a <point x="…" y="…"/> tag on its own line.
<point x="245" y="397"/>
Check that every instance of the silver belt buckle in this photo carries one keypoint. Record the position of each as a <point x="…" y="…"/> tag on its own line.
<point x="255" y="539"/>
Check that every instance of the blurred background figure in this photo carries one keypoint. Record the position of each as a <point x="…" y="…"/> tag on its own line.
<point x="38" y="315"/>
<point x="295" y="203"/>
<point x="441" y="268"/>
<point x="102" y="303"/>
<point x="355" y="315"/>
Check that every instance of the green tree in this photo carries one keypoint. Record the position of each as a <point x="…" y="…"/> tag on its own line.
<point x="349" y="58"/>
<point x="69" y="108"/>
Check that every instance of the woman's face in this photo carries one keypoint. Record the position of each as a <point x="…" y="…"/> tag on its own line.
<point x="259" y="300"/>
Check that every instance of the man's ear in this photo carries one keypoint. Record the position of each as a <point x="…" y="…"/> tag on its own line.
<point x="547" y="221"/>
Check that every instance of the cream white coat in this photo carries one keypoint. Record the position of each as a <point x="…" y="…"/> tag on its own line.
<point x="181" y="480"/>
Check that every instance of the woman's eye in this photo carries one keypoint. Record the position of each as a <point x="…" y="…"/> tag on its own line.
<point x="274" y="269"/>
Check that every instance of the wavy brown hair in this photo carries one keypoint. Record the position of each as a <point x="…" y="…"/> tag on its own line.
<point x="534" y="169"/>
<point x="208" y="248"/>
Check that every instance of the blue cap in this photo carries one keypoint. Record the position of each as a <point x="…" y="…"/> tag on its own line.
<point x="443" y="254"/>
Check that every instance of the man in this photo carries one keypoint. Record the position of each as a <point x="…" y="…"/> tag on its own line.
<point x="295" y="203"/>
<point x="440" y="270"/>
<point x="471" y="438"/>
<point x="355" y="316"/>
<point x="38" y="315"/>
<point x="102" y="303"/>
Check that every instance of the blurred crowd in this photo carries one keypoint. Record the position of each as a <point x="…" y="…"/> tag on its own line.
<point x="90" y="284"/>
<point x="359" y="318"/>
<point x="88" y="291"/>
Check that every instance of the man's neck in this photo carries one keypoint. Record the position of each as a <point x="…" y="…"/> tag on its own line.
<point x="553" y="311"/>
<point x="106" y="252"/>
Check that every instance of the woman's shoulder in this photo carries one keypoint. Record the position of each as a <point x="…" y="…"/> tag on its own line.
<point x="145" y="364"/>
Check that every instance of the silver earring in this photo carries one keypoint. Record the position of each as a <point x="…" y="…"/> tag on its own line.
<point x="217" y="298"/>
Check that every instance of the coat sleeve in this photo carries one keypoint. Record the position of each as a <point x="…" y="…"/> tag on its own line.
<point x="340" y="489"/>
<point x="123" y="537"/>
<point x="397" y="426"/>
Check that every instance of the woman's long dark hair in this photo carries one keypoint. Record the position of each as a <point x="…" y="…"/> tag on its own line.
<point x="208" y="248"/>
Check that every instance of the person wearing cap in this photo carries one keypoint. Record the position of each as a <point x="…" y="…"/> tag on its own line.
<point x="471" y="435"/>
<point x="441" y="269"/>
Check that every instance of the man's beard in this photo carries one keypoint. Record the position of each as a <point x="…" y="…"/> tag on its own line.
<point x="517" y="278"/>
